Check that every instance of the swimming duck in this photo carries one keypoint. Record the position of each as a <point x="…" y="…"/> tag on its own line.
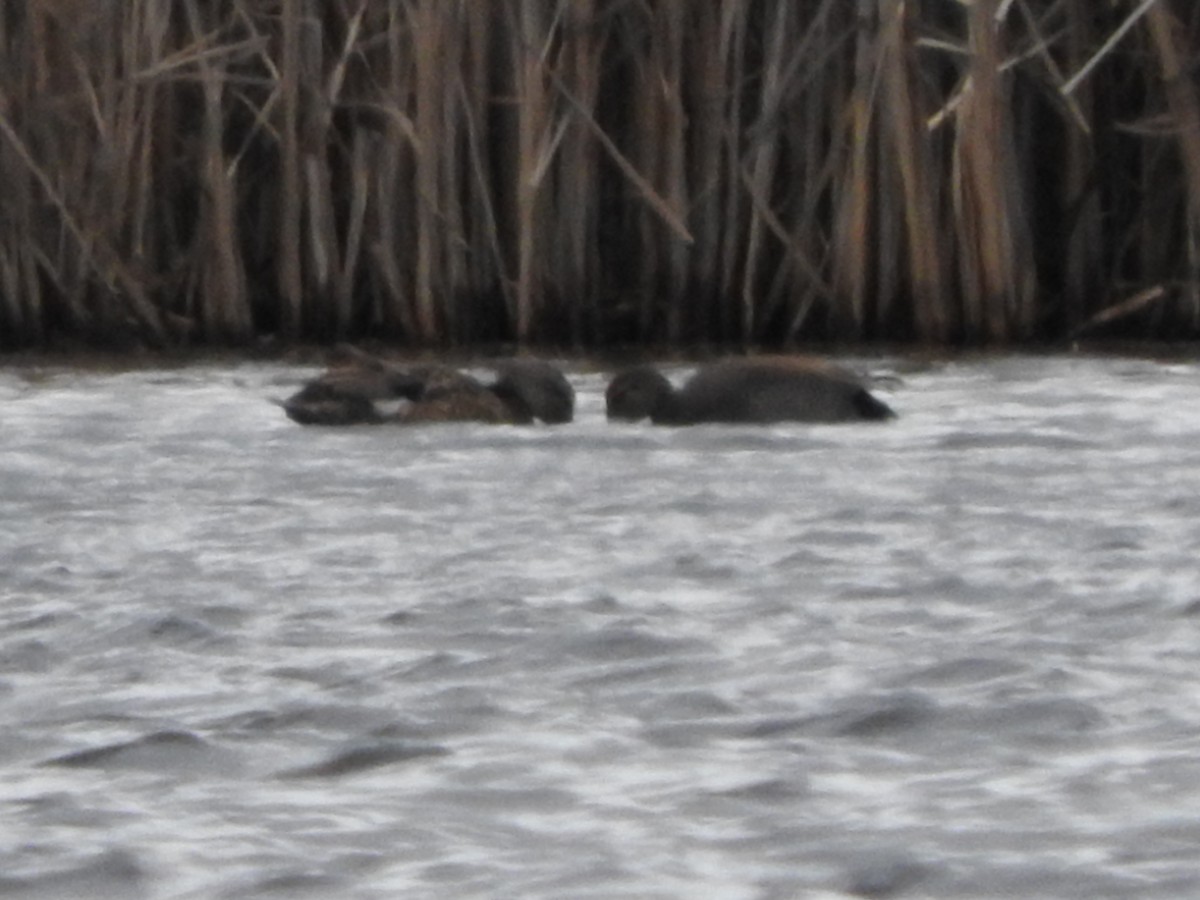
<point x="364" y="390"/>
<point x="779" y="389"/>
<point x="537" y="388"/>
<point x="347" y="393"/>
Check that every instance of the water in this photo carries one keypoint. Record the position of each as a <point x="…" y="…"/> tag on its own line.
<point x="952" y="656"/>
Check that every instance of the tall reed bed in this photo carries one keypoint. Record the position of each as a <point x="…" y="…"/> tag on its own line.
<point x="591" y="172"/>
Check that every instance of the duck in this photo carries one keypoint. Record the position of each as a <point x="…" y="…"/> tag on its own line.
<point x="360" y="389"/>
<point x="760" y="390"/>
<point x="350" y="390"/>
<point x="536" y="387"/>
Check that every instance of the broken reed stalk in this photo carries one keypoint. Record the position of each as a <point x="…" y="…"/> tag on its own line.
<point x="588" y="171"/>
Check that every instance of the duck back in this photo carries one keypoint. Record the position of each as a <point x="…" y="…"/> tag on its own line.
<point x="765" y="391"/>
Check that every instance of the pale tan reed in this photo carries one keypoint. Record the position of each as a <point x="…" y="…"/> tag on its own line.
<point x="590" y="172"/>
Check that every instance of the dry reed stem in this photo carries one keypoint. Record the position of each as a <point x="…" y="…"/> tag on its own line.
<point x="291" y="285"/>
<point x="482" y="259"/>
<point x="576" y="212"/>
<point x="533" y="137"/>
<point x="733" y="37"/>
<point x="1180" y="87"/>
<point x="995" y="273"/>
<point x="442" y="171"/>
<point x="224" y="311"/>
<point x="852" y="225"/>
<point x="319" y="233"/>
<point x="428" y="35"/>
<point x="1109" y="45"/>
<point x="761" y="168"/>
<point x="346" y="277"/>
<point x="643" y="188"/>
<point x="918" y="181"/>
<point x="821" y="83"/>
<point x="1083" y="268"/>
<point x="671" y="162"/>
<point x="706" y="79"/>
<point x="392" y="248"/>
<point x="1127" y="307"/>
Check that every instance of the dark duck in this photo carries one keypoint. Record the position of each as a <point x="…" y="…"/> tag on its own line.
<point x="764" y="390"/>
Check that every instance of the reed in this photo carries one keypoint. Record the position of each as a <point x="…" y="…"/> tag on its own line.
<point x="1176" y="67"/>
<point x="592" y="172"/>
<point x="994" y="269"/>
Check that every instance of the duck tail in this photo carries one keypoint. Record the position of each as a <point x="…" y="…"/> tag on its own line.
<point x="871" y="407"/>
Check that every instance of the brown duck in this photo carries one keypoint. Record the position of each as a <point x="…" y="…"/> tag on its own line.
<point x="360" y="389"/>
<point x="764" y="390"/>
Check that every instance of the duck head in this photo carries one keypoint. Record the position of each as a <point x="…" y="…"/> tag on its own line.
<point x="536" y="390"/>
<point x="638" y="393"/>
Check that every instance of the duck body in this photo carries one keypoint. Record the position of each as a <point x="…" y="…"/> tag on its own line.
<point x="319" y="404"/>
<point x="448" y="395"/>
<point x="350" y="394"/>
<point x="762" y="391"/>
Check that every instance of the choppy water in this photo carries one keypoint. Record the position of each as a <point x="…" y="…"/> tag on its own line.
<point x="953" y="656"/>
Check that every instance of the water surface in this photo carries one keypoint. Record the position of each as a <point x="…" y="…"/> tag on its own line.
<point x="951" y="656"/>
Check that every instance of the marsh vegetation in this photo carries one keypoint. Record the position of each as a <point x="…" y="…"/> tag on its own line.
<point x="592" y="172"/>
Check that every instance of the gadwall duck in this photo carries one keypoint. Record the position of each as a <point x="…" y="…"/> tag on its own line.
<point x="347" y="393"/>
<point x="363" y="390"/>
<point x="746" y="390"/>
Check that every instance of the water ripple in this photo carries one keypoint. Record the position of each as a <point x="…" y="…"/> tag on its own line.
<point x="952" y="657"/>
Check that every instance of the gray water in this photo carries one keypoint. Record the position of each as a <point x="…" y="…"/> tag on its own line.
<point x="952" y="656"/>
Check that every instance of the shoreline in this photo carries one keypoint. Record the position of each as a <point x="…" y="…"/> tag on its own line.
<point x="315" y="355"/>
